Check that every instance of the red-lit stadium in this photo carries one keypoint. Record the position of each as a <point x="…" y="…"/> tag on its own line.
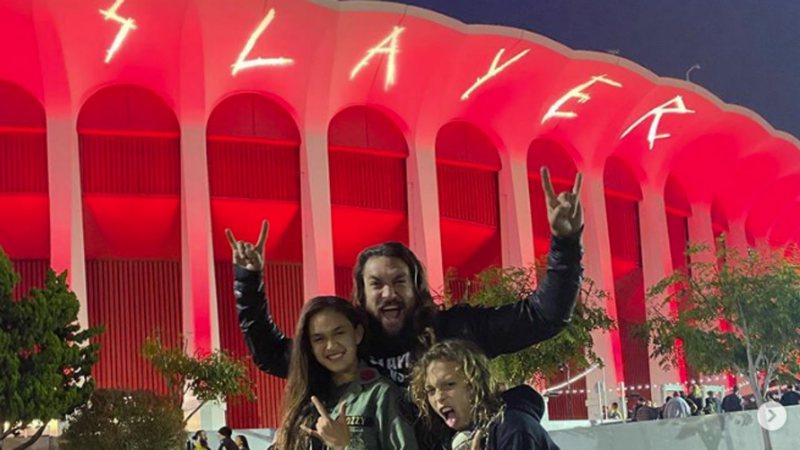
<point x="126" y="150"/>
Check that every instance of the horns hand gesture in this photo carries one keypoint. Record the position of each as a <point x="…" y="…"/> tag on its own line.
<point x="247" y="255"/>
<point x="333" y="432"/>
<point x="564" y="211"/>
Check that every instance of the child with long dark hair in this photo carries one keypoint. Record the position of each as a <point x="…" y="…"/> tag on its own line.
<point x="331" y="400"/>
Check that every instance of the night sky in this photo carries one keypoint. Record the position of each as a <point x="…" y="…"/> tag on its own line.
<point x="748" y="50"/>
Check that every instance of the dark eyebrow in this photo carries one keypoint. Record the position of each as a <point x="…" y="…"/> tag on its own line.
<point x="339" y="328"/>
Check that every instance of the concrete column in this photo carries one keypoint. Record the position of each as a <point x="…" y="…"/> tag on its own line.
<point x="423" y="213"/>
<point x="597" y="263"/>
<point x="516" y="229"/>
<point x="656" y="265"/>
<point x="66" y="207"/>
<point x="199" y="301"/>
<point x="200" y="315"/>
<point x="315" y="205"/>
<point x="701" y="231"/>
<point x="737" y="238"/>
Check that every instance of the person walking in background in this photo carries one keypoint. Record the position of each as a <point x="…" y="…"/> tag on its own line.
<point x="640" y="403"/>
<point x="792" y="396"/>
<point x="226" y="443"/>
<point x="695" y="400"/>
<point x="241" y="441"/>
<point x="199" y="441"/>
<point x="677" y="407"/>
<point x="712" y="405"/>
<point x="733" y="401"/>
<point x="614" y="412"/>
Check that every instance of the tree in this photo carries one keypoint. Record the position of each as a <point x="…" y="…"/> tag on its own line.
<point x="208" y="377"/>
<point x="46" y="358"/>
<point x="137" y="420"/>
<point x="757" y="292"/>
<point x="572" y="347"/>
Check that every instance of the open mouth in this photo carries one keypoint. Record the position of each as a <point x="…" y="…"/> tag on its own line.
<point x="449" y="415"/>
<point x="392" y="311"/>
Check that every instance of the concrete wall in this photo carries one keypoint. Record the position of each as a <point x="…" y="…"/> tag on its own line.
<point x="736" y="431"/>
<point x="739" y="431"/>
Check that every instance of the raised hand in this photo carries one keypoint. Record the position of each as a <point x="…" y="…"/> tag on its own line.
<point x="564" y="212"/>
<point x="247" y="255"/>
<point x="334" y="433"/>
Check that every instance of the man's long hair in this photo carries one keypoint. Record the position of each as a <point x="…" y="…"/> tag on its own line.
<point x="424" y="310"/>
<point x="307" y="376"/>
<point x="485" y="398"/>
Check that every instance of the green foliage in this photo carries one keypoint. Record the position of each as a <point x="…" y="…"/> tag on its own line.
<point x="137" y="420"/>
<point x="572" y="347"/>
<point x="757" y="292"/>
<point x="45" y="357"/>
<point x="208" y="377"/>
<point x="8" y="277"/>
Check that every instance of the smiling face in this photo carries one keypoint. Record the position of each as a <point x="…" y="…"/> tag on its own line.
<point x="449" y="394"/>
<point x="389" y="292"/>
<point x="334" y="342"/>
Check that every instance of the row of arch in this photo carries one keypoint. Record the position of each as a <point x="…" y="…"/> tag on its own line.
<point x="130" y="172"/>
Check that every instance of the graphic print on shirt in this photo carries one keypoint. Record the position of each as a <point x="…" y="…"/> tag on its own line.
<point x="395" y="367"/>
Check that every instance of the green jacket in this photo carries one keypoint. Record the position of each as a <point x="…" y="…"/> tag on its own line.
<point x="376" y="413"/>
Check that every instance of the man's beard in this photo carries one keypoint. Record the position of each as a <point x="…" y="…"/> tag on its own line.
<point x="377" y="338"/>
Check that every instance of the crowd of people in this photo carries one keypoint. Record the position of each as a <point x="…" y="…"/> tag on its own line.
<point x="389" y="369"/>
<point x="681" y="404"/>
<point x="199" y="441"/>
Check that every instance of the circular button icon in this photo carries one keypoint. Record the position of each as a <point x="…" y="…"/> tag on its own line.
<point x="772" y="416"/>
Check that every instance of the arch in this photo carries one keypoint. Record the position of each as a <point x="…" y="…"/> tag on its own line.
<point x="24" y="185"/>
<point x="129" y="149"/>
<point x="252" y="115"/>
<point x="622" y="196"/>
<point x="367" y="153"/>
<point x="252" y="136"/>
<point x="783" y="228"/>
<point x="559" y="160"/>
<point x="20" y="108"/>
<point x="467" y="166"/>
<point x="620" y="180"/>
<point x="127" y="108"/>
<point x="129" y="143"/>
<point x="556" y="157"/>
<point x="678" y="210"/>
<point x="366" y="127"/>
<point x="719" y="220"/>
<point x="750" y="179"/>
<point x="675" y="198"/>
<point x="462" y="142"/>
<point x="698" y="162"/>
<point x="781" y="192"/>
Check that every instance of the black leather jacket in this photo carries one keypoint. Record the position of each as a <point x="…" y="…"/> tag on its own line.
<point x="497" y="331"/>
